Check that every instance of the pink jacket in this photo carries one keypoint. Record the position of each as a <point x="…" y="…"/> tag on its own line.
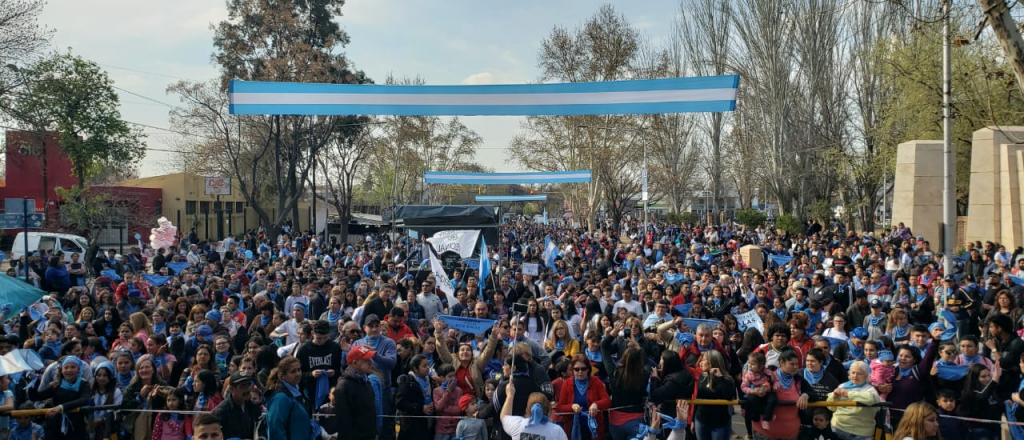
<point x="446" y="403"/>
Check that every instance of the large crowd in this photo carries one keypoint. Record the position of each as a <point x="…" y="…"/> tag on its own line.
<point x="297" y="337"/>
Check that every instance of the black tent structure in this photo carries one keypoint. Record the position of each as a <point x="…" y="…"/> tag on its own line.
<point x="426" y="220"/>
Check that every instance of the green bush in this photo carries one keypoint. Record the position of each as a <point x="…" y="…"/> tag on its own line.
<point x="790" y="224"/>
<point x="751" y="218"/>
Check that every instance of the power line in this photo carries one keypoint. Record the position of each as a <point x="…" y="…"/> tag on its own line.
<point x="142" y="96"/>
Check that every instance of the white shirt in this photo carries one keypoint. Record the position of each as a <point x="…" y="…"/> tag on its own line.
<point x="290" y="330"/>
<point x="431" y="305"/>
<point x="515" y="426"/>
<point x="632" y="307"/>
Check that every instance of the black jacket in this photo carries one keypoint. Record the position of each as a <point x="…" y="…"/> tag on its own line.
<point x="678" y="385"/>
<point x="240" y="420"/>
<point x="409" y="401"/>
<point x="354" y="411"/>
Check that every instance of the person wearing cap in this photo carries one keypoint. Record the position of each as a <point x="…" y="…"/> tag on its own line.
<point x="995" y="285"/>
<point x="239" y="408"/>
<point x="320" y="357"/>
<point x="877" y="321"/>
<point x="385" y="358"/>
<point x="853" y="348"/>
<point x="354" y="416"/>
<point x="214" y="319"/>
<point x="960" y="302"/>
<point x="290" y="328"/>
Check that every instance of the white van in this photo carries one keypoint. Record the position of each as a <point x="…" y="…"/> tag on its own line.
<point x="50" y="242"/>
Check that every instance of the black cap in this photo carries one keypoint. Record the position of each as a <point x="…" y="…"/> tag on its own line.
<point x="994" y="273"/>
<point x="370" y="318"/>
<point x="240" y="377"/>
<point x="949" y="278"/>
<point x="876" y="303"/>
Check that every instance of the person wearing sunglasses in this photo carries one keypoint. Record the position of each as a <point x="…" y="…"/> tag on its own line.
<point x="582" y="394"/>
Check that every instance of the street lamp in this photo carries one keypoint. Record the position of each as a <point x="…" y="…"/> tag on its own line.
<point x="643" y="171"/>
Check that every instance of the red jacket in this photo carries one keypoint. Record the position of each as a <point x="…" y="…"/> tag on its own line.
<point x="596" y="393"/>
<point x="401" y="333"/>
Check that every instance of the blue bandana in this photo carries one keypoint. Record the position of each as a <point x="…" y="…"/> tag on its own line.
<point x="593" y="356"/>
<point x="813" y="378"/>
<point x="72" y="386"/>
<point x="425" y="387"/>
<point x="537" y="415"/>
<point x="785" y="380"/>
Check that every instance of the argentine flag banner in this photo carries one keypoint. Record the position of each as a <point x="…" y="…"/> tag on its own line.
<point x="648" y="96"/>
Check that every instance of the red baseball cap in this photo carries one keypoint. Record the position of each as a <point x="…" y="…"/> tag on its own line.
<point x="360" y="352"/>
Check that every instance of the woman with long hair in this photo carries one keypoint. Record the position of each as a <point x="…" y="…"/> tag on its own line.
<point x="671" y="381"/>
<point x="919" y="422"/>
<point x="207" y="391"/>
<point x="104" y="392"/>
<point x="536" y="321"/>
<point x="287" y="416"/>
<point x="713" y="422"/>
<point x="144" y="385"/>
<point x="628" y="390"/>
<point x="196" y="318"/>
<point x="561" y="340"/>
<point x="979" y="402"/>
<point x="107" y="326"/>
<point x="583" y="394"/>
<point x="899" y="327"/>
<point x="141" y="325"/>
<point x="1006" y="305"/>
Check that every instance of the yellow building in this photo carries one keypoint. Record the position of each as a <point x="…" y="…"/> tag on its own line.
<point x="186" y="204"/>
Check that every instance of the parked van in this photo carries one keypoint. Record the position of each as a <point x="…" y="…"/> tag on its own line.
<point x="49" y="242"/>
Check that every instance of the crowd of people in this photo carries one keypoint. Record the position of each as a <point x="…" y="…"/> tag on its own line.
<point x="296" y="337"/>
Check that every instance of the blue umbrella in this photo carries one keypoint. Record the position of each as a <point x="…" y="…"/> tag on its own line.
<point x="16" y="294"/>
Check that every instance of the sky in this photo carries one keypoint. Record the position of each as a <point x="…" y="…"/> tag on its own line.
<point x="146" y="45"/>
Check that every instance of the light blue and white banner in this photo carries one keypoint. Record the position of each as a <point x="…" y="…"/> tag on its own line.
<point x="527" y="198"/>
<point x="668" y="95"/>
<point x="527" y="178"/>
<point x="466" y="324"/>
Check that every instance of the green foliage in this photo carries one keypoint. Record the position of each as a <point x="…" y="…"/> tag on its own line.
<point x="75" y="98"/>
<point x="790" y="224"/>
<point x="821" y="211"/>
<point x="751" y="218"/>
<point x="531" y="209"/>
<point x="680" y="218"/>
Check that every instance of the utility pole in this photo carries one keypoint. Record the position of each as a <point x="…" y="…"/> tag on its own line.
<point x="949" y="167"/>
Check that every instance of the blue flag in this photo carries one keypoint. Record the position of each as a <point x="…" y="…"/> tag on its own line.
<point x="550" y="252"/>
<point x="684" y="309"/>
<point x="692" y="323"/>
<point x="1017" y="280"/>
<point x="177" y="268"/>
<point x="780" y="260"/>
<point x="112" y="274"/>
<point x="156" y="280"/>
<point x="948" y="321"/>
<point x="672" y="278"/>
<point x="16" y="294"/>
<point x="465" y="324"/>
<point x="952" y="372"/>
<point x="485" y="265"/>
<point x="834" y="342"/>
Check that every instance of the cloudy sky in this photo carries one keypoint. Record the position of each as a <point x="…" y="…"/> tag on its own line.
<point x="145" y="45"/>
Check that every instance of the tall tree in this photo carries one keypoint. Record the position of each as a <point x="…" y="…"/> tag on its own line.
<point x="342" y="162"/>
<point x="703" y="32"/>
<point x="272" y="40"/>
<point x="604" y="48"/>
<point x="764" y="57"/>
<point x="75" y="98"/>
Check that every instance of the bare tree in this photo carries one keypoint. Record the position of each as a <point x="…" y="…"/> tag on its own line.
<point x="604" y="48"/>
<point x="20" y="32"/>
<point x="703" y="32"/>
<point x="342" y="160"/>
<point x="764" y="57"/>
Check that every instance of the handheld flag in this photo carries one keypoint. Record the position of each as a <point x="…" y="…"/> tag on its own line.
<point x="485" y="265"/>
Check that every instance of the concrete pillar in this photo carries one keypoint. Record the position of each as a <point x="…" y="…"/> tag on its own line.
<point x="917" y="194"/>
<point x="986" y="206"/>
